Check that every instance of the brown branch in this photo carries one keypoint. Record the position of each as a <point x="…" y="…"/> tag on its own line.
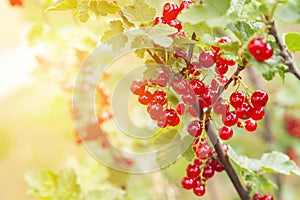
<point x="286" y="56"/>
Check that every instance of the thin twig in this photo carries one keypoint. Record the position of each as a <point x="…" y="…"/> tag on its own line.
<point x="286" y="56"/>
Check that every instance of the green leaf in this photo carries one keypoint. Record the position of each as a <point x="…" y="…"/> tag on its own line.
<point x="189" y="154"/>
<point x="245" y="29"/>
<point x="289" y="12"/>
<point x="152" y="71"/>
<point x="139" y="12"/>
<point x="292" y="41"/>
<point x="116" y="31"/>
<point x="82" y="11"/>
<point x="160" y="34"/>
<point x="200" y="29"/>
<point x="165" y="138"/>
<point x="260" y="183"/>
<point x="103" y="8"/>
<point x="63" y="5"/>
<point x="50" y="185"/>
<point x="209" y="10"/>
<point x="236" y="8"/>
<point x="140" y="42"/>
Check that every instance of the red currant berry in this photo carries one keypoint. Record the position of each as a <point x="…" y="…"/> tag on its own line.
<point x="230" y="118"/>
<point x="259" y="98"/>
<point x="195" y="128"/>
<point x="180" y="86"/>
<point x="260" y="49"/>
<point x="267" y="197"/>
<point x="172" y="118"/>
<point x="185" y="4"/>
<point x="194" y="68"/>
<point x="160" y="20"/>
<point x="223" y="40"/>
<point x="138" y="87"/>
<point x="180" y="53"/>
<point x="192" y="170"/>
<point x="223" y="61"/>
<point x="256" y="197"/>
<point x="162" y="123"/>
<point x="208" y="171"/>
<point x="187" y="183"/>
<point x="199" y="190"/>
<point x="218" y="167"/>
<point x="250" y="125"/>
<point x="209" y="96"/>
<point x="162" y="80"/>
<point x="159" y="97"/>
<point x="189" y="98"/>
<point x="145" y="98"/>
<point x="197" y="161"/>
<point x="221" y="69"/>
<point x="197" y="86"/>
<point x="176" y="24"/>
<point x="155" y="111"/>
<point x="203" y="151"/>
<point x="225" y="133"/>
<point x="180" y="108"/>
<point x="257" y="113"/>
<point x="237" y="98"/>
<point x="170" y="11"/>
<point x="220" y="107"/>
<point x="207" y="59"/>
<point x="244" y="111"/>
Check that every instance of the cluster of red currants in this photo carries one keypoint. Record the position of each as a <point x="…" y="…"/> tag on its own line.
<point x="260" y="197"/>
<point x="292" y="125"/>
<point x="203" y="167"/>
<point x="170" y="13"/>
<point x="245" y="114"/>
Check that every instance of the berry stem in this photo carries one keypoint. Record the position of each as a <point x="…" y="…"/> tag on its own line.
<point x="244" y="195"/>
<point x="286" y="56"/>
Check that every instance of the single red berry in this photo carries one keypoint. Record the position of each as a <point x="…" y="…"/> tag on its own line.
<point x="223" y="40"/>
<point x="170" y="11"/>
<point x="194" y="68"/>
<point x="218" y="167"/>
<point x="207" y="59"/>
<point x="222" y="79"/>
<point x="199" y="190"/>
<point x="155" y="111"/>
<point x="185" y="4"/>
<point x="172" y="118"/>
<point x="145" y="98"/>
<point x="209" y="96"/>
<point x="197" y="161"/>
<point x="260" y="49"/>
<point x="208" y="171"/>
<point x="220" y="107"/>
<point x="189" y="98"/>
<point x="159" y="97"/>
<point x="176" y="24"/>
<point x="162" y="123"/>
<point x="225" y="133"/>
<point x="192" y="170"/>
<point x="160" y="20"/>
<point x="267" y="197"/>
<point x="16" y="2"/>
<point x="162" y="80"/>
<point x="180" y="53"/>
<point x="230" y="118"/>
<point x="180" y="108"/>
<point x="187" y="183"/>
<point x="257" y="113"/>
<point x="180" y="86"/>
<point x="197" y="86"/>
<point x="259" y="98"/>
<point x="256" y="197"/>
<point x="223" y="61"/>
<point x="138" y="87"/>
<point x="195" y="128"/>
<point x="221" y="69"/>
<point x="250" y="125"/>
<point x="244" y="111"/>
<point x="203" y="151"/>
<point x="237" y="98"/>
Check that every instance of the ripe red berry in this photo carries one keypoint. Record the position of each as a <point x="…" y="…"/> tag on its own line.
<point x="192" y="170"/>
<point x="221" y="69"/>
<point x="170" y="11"/>
<point x="155" y="111"/>
<point x="189" y="98"/>
<point x="230" y="118"/>
<point x="159" y="97"/>
<point x="185" y="4"/>
<point x="197" y="86"/>
<point x="260" y="49"/>
<point x="160" y="20"/>
<point x="162" y="80"/>
<point x="195" y="128"/>
<point x="267" y="197"/>
<point x="256" y="197"/>
<point x="250" y="125"/>
<point x="192" y="111"/>
<point x="16" y="2"/>
<point x="259" y="98"/>
<point x="237" y="98"/>
<point x="138" y="87"/>
<point x="180" y="86"/>
<point x="244" y="111"/>
<point x="198" y="161"/>
<point x="203" y="151"/>
<point x="207" y="59"/>
<point x="225" y="133"/>
<point x="208" y="171"/>
<point x="180" y="53"/>
<point x="220" y="107"/>
<point x="187" y="183"/>
<point x="223" y="40"/>
<point x="180" y="108"/>
<point x="199" y="190"/>
<point x="209" y="96"/>
<point x="172" y="118"/>
<point x="145" y="98"/>
<point x="257" y="113"/>
<point x="176" y="24"/>
<point x="194" y="68"/>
